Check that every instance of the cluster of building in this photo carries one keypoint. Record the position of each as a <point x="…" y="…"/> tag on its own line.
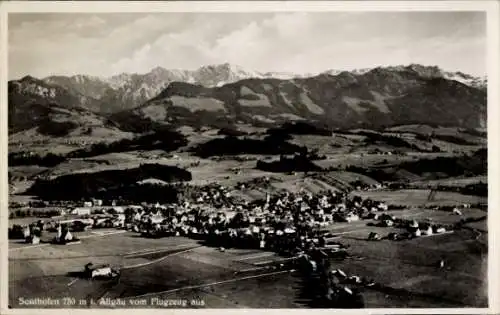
<point x="287" y="222"/>
<point x="412" y="228"/>
<point x="30" y="233"/>
<point x="331" y="286"/>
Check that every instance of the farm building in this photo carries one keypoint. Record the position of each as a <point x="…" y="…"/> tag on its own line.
<point x="414" y="224"/>
<point x="154" y="219"/>
<point x="393" y="236"/>
<point x="97" y="202"/>
<point x="158" y="206"/>
<point x="87" y="204"/>
<point x="382" y="206"/>
<point x="374" y="236"/>
<point x="118" y="209"/>
<point x="351" y="217"/>
<point x="81" y="211"/>
<point x="388" y="223"/>
<point x="440" y="230"/>
<point x="372" y="215"/>
<point x="427" y="231"/>
<point x="33" y="239"/>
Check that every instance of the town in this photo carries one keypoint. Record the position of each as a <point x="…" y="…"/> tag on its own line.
<point x="295" y="226"/>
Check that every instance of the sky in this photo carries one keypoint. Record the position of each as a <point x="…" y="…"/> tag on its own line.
<point x="43" y="44"/>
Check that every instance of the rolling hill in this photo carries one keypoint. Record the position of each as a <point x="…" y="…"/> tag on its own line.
<point x="377" y="98"/>
<point x="42" y="114"/>
<point x="128" y="90"/>
<point x="221" y="95"/>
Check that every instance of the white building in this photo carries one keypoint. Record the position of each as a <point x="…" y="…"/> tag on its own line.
<point x="428" y="231"/>
<point x="81" y="211"/>
<point x="119" y="209"/>
<point x="383" y="207"/>
<point x="87" y="204"/>
<point x="440" y="230"/>
<point x="352" y="217"/>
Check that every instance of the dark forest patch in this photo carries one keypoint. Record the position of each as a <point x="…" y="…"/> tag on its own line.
<point x="29" y="158"/>
<point x="235" y="146"/>
<point x="161" y="139"/>
<point x="301" y="128"/>
<point x="284" y="165"/>
<point x="56" y="129"/>
<point x="106" y="184"/>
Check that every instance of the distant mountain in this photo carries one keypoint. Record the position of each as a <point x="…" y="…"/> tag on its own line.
<point x="427" y="71"/>
<point x="93" y="87"/>
<point x="30" y="102"/>
<point x="224" y="94"/>
<point x="38" y="110"/>
<point x="436" y="72"/>
<point x="355" y="71"/>
<point x="126" y="91"/>
<point x="383" y="96"/>
<point x="477" y="82"/>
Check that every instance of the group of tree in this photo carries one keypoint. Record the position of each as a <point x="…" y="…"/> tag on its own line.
<point x="106" y="184"/>
<point x="161" y="139"/>
<point x="374" y="138"/>
<point x="451" y="166"/>
<point x="56" y="129"/>
<point x="231" y="145"/>
<point x="478" y="189"/>
<point x="297" y="163"/>
<point x="301" y="128"/>
<point x="30" y="158"/>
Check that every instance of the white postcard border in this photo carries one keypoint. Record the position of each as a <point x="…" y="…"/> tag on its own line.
<point x="492" y="9"/>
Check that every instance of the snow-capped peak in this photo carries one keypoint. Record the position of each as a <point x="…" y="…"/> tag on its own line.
<point x="478" y="82"/>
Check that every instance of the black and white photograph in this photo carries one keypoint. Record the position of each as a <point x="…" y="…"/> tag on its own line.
<point x="279" y="159"/>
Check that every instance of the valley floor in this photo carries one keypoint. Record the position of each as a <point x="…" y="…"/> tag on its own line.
<point x="179" y="268"/>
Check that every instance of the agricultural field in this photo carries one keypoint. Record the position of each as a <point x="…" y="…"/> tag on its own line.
<point x="419" y="197"/>
<point x="409" y="267"/>
<point x="182" y="268"/>
<point x="452" y="182"/>
<point x="148" y="266"/>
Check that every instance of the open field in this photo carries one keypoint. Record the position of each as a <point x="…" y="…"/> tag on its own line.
<point x="419" y="197"/>
<point x="409" y="267"/>
<point x="438" y="216"/>
<point x="452" y="182"/>
<point x="180" y="268"/>
<point x="148" y="265"/>
<point x="361" y="159"/>
<point x="183" y="268"/>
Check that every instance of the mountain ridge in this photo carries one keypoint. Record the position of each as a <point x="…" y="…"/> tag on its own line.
<point x="376" y="98"/>
<point x="133" y="89"/>
<point x="367" y="97"/>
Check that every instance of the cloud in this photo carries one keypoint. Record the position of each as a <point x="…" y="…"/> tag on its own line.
<point x="107" y="44"/>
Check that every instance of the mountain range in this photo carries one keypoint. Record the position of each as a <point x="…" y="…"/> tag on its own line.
<point x="125" y="91"/>
<point x="224" y="94"/>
